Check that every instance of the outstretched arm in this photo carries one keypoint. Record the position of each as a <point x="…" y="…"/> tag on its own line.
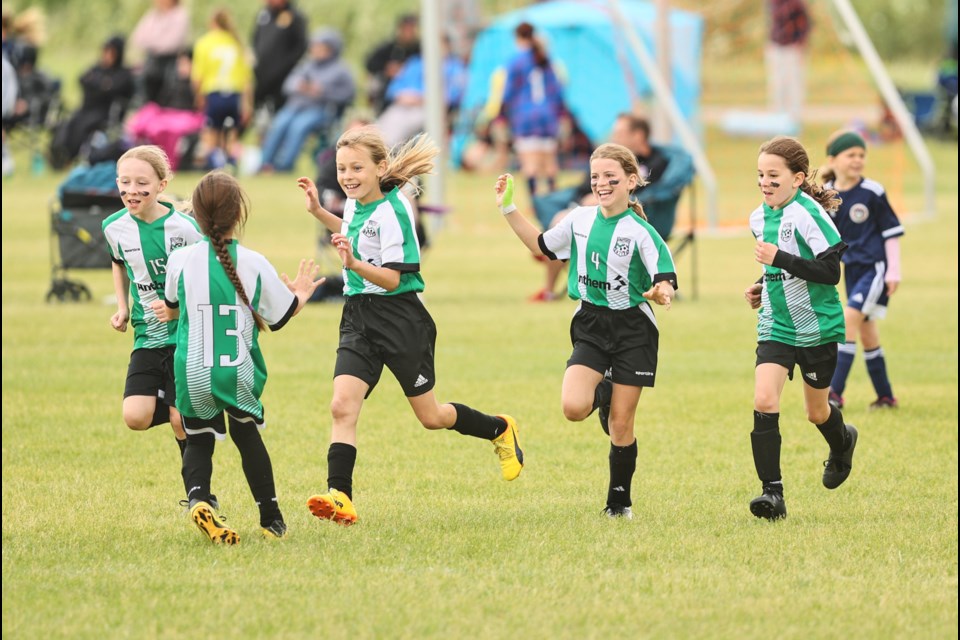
<point x="303" y="285"/>
<point x="329" y="220"/>
<point x="524" y="229"/>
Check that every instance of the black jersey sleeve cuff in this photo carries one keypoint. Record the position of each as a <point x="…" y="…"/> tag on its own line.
<point x="543" y="248"/>
<point x="402" y="267"/>
<point x="172" y="305"/>
<point x="117" y="261"/>
<point x="286" y="317"/>
<point x="667" y="277"/>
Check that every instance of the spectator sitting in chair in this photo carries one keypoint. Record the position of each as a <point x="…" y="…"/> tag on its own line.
<point x="107" y="87"/>
<point x="317" y="91"/>
<point x="666" y="170"/>
<point x="406" y="116"/>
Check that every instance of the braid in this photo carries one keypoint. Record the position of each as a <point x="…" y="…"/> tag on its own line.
<point x="231" y="270"/>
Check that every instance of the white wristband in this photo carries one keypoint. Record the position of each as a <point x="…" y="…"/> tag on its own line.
<point x="510" y="208"/>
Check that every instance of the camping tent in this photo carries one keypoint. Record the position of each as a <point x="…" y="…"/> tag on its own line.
<point x="601" y="75"/>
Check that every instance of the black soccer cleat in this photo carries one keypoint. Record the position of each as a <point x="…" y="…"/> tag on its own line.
<point x="769" y="506"/>
<point x="837" y="467"/>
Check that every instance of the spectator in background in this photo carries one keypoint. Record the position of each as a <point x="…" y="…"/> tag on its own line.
<point x="279" y="41"/>
<point x="318" y="90"/>
<point x="786" y="54"/>
<point x="406" y="115"/>
<point x="162" y="33"/>
<point x="533" y="106"/>
<point x="107" y="88"/>
<point x="385" y="62"/>
<point x="9" y="102"/>
<point x="222" y="81"/>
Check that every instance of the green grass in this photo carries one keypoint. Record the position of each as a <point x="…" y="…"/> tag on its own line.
<point x="94" y="544"/>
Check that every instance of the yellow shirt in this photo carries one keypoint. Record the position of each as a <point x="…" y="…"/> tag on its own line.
<point x="220" y="64"/>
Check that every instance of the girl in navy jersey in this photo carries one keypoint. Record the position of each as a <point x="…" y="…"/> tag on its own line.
<point x="384" y="322"/>
<point x="618" y="265"/>
<point x="872" y="231"/>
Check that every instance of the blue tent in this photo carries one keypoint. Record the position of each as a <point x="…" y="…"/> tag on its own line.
<point x="601" y="75"/>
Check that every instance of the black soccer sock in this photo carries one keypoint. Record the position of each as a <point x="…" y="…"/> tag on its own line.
<point x="341" y="458"/>
<point x="257" y="468"/>
<point x="471" y="422"/>
<point x="623" y="463"/>
<point x="834" y="431"/>
<point x="532" y="185"/>
<point x="161" y="413"/>
<point x="602" y="394"/>
<point x="766" y="441"/>
<point x="198" y="466"/>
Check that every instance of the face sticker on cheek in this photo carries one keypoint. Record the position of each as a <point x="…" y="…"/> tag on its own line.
<point x="775" y="185"/>
<point x="613" y="183"/>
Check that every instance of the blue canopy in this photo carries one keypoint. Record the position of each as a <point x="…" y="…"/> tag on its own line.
<point x="600" y="73"/>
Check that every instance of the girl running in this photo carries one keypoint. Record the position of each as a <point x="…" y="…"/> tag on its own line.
<point x="140" y="238"/>
<point x="384" y="322"/>
<point x="618" y="264"/>
<point x="800" y="319"/>
<point x="225" y="295"/>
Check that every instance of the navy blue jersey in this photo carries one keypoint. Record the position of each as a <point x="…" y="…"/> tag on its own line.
<point x="865" y="221"/>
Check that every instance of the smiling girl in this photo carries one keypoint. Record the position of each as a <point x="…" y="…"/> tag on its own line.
<point x="800" y="319"/>
<point x="869" y="226"/>
<point x="139" y="238"/>
<point x="618" y="264"/>
<point x="384" y="322"/>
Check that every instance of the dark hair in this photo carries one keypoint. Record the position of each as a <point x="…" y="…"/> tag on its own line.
<point x="797" y="161"/>
<point x="524" y="31"/>
<point x="220" y="207"/>
<point x="636" y="123"/>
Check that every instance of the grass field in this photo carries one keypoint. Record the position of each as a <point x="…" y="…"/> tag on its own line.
<point x="95" y="545"/>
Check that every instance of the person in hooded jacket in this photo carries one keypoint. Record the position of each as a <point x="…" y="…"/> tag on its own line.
<point x="317" y="92"/>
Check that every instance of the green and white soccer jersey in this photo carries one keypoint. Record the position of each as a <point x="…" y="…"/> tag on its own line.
<point x="383" y="233"/>
<point x="613" y="261"/>
<point x="142" y="248"/>
<point x="218" y="363"/>
<point x="792" y="310"/>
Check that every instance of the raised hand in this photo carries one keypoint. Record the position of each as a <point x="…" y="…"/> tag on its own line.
<point x="342" y="244"/>
<point x="303" y="285"/>
<point x="504" y="191"/>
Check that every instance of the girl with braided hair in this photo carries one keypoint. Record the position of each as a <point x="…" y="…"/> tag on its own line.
<point x="800" y="317"/>
<point x="224" y="295"/>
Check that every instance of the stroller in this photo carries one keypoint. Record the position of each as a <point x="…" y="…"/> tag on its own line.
<point x="85" y="199"/>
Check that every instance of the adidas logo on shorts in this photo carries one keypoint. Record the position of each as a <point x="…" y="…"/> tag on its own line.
<point x="420" y="381"/>
<point x="812" y="375"/>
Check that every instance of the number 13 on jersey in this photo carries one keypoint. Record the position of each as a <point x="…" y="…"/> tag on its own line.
<point x="228" y="340"/>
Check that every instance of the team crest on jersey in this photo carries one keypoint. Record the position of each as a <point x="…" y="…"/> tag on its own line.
<point x="786" y="232"/>
<point x="622" y="247"/>
<point x="859" y="213"/>
<point x="176" y="242"/>
<point x="370" y="229"/>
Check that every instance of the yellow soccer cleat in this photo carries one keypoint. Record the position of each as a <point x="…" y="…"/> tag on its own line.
<point x="507" y="446"/>
<point x="276" y="530"/>
<point x="212" y="526"/>
<point x="333" y="505"/>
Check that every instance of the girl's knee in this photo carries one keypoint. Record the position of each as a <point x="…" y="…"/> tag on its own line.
<point x="138" y="421"/>
<point x="432" y="422"/>
<point x="818" y="415"/>
<point x="576" y="411"/>
<point x="766" y="402"/>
